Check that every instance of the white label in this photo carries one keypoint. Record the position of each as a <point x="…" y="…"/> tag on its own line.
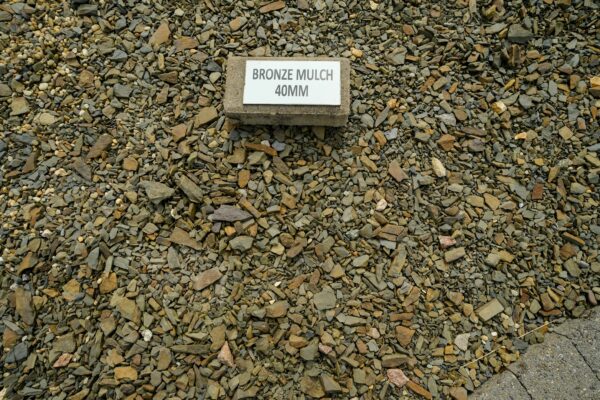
<point x="292" y="82"/>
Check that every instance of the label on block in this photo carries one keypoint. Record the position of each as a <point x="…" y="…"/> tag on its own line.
<point x="292" y="82"/>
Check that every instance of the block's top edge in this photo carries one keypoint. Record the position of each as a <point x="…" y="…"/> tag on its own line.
<point x="297" y="58"/>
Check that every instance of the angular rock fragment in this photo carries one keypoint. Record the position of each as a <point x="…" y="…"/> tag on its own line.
<point x="241" y="243"/>
<point x="277" y="309"/>
<point x="518" y="34"/>
<point x="157" y="191"/>
<point x="490" y="310"/>
<point x="454" y="254"/>
<point x="191" y="190"/>
<point x="227" y="213"/>
<point x="161" y="35"/>
<point x="397" y="377"/>
<point x="101" y="144"/>
<point x="207" y="278"/>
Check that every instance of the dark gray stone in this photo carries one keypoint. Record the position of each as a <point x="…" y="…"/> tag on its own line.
<point x="518" y="34"/>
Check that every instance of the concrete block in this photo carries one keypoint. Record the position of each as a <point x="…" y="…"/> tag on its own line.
<point x="504" y="386"/>
<point x="268" y="114"/>
<point x="555" y="370"/>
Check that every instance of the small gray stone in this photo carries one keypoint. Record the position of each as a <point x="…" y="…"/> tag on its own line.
<point x="325" y="299"/>
<point x="241" y="243"/>
<point x="518" y="34"/>
<point x="447" y="119"/>
<point x="122" y="91"/>
<point x="492" y="259"/>
<point x="119" y="55"/>
<point x="311" y="351"/>
<point x="525" y="101"/>
<point x="391" y="134"/>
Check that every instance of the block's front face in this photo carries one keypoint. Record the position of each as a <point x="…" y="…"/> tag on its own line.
<point x="288" y="91"/>
<point x="277" y="82"/>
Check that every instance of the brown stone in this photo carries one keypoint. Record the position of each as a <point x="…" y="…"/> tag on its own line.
<point x="183" y="238"/>
<point x="490" y="310"/>
<point x="397" y="377"/>
<point x="207" y="278"/>
<point x="420" y="390"/>
<point x="185" y="43"/>
<point x="538" y="191"/>
<point x="164" y="359"/>
<point x="130" y="164"/>
<point x="277" y="309"/>
<point x="23" y="305"/>
<point x="243" y="178"/>
<point x="404" y="335"/>
<point x="236" y="23"/>
<point x="225" y="356"/>
<point x="446" y="142"/>
<point x="396" y="171"/>
<point x="261" y="147"/>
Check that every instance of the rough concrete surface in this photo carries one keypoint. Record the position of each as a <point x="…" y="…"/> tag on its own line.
<point x="565" y="366"/>
<point x="502" y="387"/>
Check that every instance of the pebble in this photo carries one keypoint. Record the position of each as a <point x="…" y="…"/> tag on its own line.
<point x="241" y="243"/>
<point x="462" y="341"/>
<point x="325" y="299"/>
<point x="490" y="310"/>
<point x="397" y="377"/>
<point x="207" y="278"/>
<point x="157" y="191"/>
<point x="438" y="167"/>
<point x="518" y="34"/>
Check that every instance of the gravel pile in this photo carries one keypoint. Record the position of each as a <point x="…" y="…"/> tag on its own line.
<point x="152" y="249"/>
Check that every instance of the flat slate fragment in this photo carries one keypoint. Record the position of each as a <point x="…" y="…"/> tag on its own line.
<point x="207" y="278"/>
<point x="454" y="254"/>
<point x="152" y="245"/>
<point x="227" y="213"/>
<point x="252" y="114"/>
<point x="490" y="309"/>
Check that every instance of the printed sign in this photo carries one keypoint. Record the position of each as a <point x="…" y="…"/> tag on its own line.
<point x="292" y="82"/>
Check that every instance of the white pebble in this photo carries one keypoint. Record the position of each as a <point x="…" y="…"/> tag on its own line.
<point x="147" y="335"/>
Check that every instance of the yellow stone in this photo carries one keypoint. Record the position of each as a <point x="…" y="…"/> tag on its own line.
<point x="356" y="52"/>
<point x="499" y="107"/>
<point x="125" y="373"/>
<point x="130" y="164"/>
